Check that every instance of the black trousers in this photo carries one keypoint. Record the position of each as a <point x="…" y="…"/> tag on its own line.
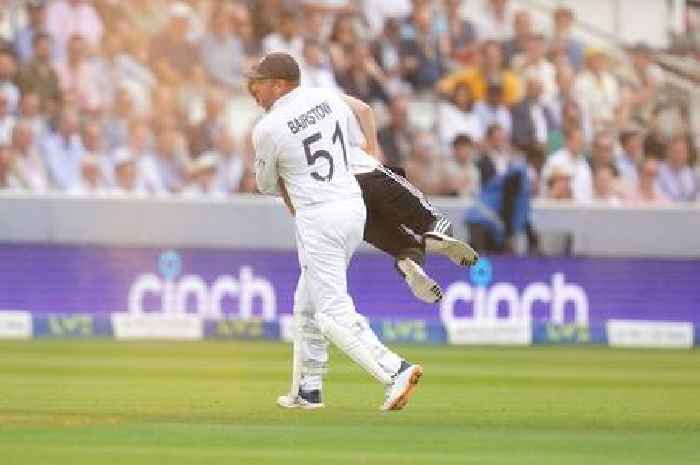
<point x="398" y="214"/>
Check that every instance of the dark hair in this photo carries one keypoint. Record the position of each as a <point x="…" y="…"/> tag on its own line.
<point x="492" y="128"/>
<point x="461" y="139"/>
<point x="40" y="36"/>
<point x="627" y="135"/>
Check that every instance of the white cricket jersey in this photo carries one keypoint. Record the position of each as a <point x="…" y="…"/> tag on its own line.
<point x="303" y="139"/>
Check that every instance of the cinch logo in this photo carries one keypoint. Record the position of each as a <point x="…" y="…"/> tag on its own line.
<point x="190" y="294"/>
<point x="486" y="301"/>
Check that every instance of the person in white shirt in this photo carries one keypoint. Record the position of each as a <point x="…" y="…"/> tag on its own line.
<point x="457" y="116"/>
<point x="28" y="167"/>
<point x="496" y="23"/>
<point x="287" y="37"/>
<point x="316" y="70"/>
<point x="533" y="63"/>
<point x="230" y="166"/>
<point x="316" y="169"/>
<point x="572" y="160"/>
<point x="676" y="178"/>
<point x="597" y="91"/>
<point x="128" y="179"/>
<point x="301" y="150"/>
<point x="202" y="177"/>
<point x="7" y="121"/>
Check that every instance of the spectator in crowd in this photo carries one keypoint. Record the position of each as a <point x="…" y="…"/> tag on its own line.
<point x="316" y="26"/>
<point x="138" y="150"/>
<point x="602" y="153"/>
<point x="230" y="166"/>
<point x="565" y="94"/>
<point x="127" y="177"/>
<point x="202" y="177"/>
<point x="676" y="178"/>
<point x="79" y="77"/>
<point x="563" y="19"/>
<point x="8" y="88"/>
<point x="517" y="44"/>
<point x="27" y="167"/>
<point x="572" y="160"/>
<point x="396" y="137"/>
<point x="107" y="66"/>
<point x="457" y="116"/>
<point x="363" y="79"/>
<point x="286" y="37"/>
<point x="30" y="111"/>
<point x="243" y="27"/>
<point x="532" y="121"/>
<point x="91" y="181"/>
<point x="386" y="49"/>
<point x="201" y="136"/>
<point x="68" y="18"/>
<point x="423" y="51"/>
<point x="145" y="16"/>
<point x="500" y="219"/>
<point x="166" y="170"/>
<point x="265" y="16"/>
<point x="632" y="144"/>
<point x="172" y="54"/>
<point x="342" y="42"/>
<point x="463" y="177"/>
<point x="598" y="92"/>
<point x="63" y="151"/>
<point x="133" y="72"/>
<point x="497" y="155"/>
<point x="7" y="121"/>
<point x="316" y="69"/>
<point x="24" y="40"/>
<point x="116" y="122"/>
<point x="488" y="68"/>
<point x="12" y="15"/>
<point x="424" y="168"/>
<point x="98" y="151"/>
<point x="7" y="179"/>
<point x="222" y="52"/>
<point x="647" y="192"/>
<point x="492" y="109"/>
<point x="647" y="77"/>
<point x="496" y="23"/>
<point x="533" y="63"/>
<point x="377" y="12"/>
<point x="605" y="186"/>
<point x="558" y="185"/>
<point x="461" y="33"/>
<point x="38" y="75"/>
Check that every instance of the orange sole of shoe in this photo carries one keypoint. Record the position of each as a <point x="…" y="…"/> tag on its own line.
<point x="403" y="399"/>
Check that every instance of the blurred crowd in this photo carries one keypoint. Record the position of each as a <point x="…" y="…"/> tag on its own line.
<point x="140" y="97"/>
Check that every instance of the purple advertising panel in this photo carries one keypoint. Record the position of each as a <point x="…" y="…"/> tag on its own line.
<point x="217" y="284"/>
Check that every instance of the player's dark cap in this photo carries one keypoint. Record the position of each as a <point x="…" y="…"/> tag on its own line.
<point x="276" y="65"/>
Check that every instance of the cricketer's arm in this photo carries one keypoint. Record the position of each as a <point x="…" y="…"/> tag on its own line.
<point x="368" y="124"/>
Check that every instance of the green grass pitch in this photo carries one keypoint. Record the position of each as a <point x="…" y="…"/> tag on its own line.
<point x="105" y="402"/>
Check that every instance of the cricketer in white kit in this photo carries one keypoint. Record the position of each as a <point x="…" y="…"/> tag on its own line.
<point x="301" y="147"/>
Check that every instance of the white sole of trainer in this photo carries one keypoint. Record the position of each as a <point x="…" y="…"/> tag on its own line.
<point x="291" y="402"/>
<point x="402" y="400"/>
<point x="458" y="251"/>
<point x="423" y="286"/>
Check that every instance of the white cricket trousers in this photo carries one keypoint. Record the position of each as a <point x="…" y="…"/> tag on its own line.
<point x="327" y="236"/>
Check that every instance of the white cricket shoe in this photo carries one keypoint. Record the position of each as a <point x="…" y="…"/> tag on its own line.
<point x="399" y="393"/>
<point x="423" y="286"/>
<point x="302" y="400"/>
<point x="458" y="251"/>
